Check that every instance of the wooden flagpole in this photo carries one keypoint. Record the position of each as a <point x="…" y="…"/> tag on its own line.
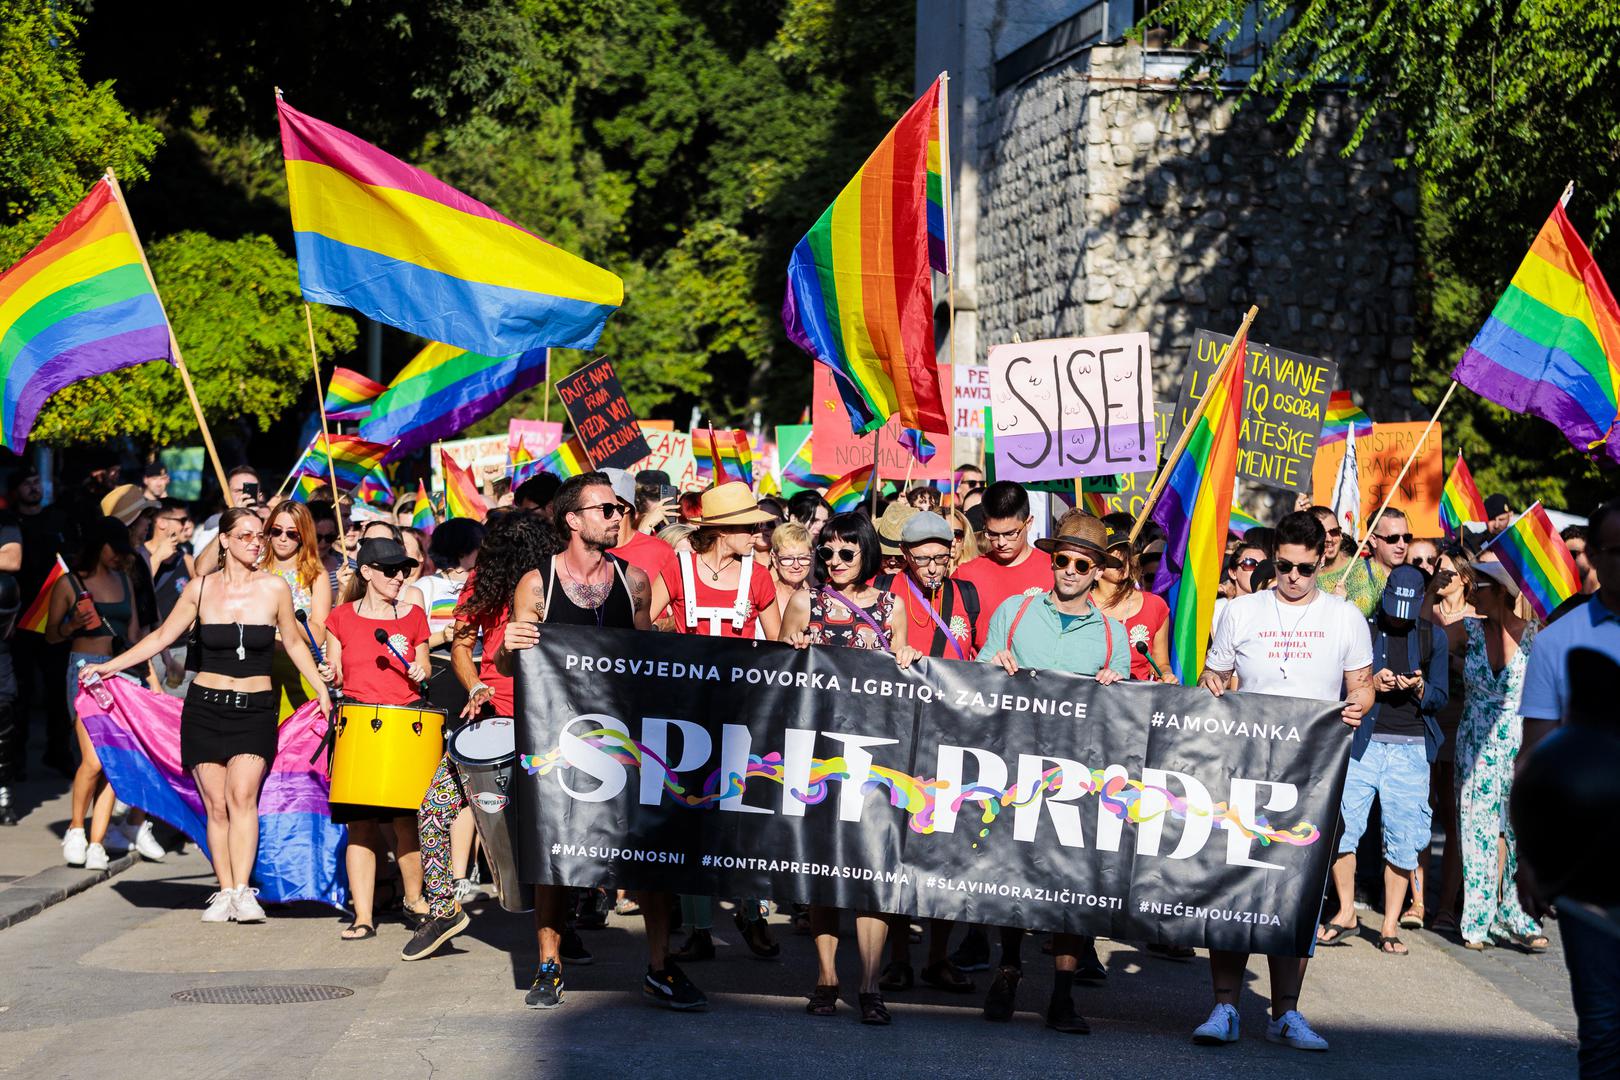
<point x="174" y="344"/>
<point x="546" y="397"/>
<point x="1372" y="522"/>
<point x="320" y="401"/>
<point x="945" y="178"/>
<point x="1192" y="422"/>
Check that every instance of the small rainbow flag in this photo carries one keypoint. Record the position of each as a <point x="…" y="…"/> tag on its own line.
<point x="375" y="490"/>
<point x="1341" y="416"/>
<point x="1195" y="510"/>
<point x="461" y="497"/>
<point x="521" y="464"/>
<point x="353" y="458"/>
<point x="569" y="460"/>
<point x="1534" y="554"/>
<point x="1459" y="499"/>
<point x="349" y="395"/>
<point x="34" y="618"/>
<point x="1094" y="503"/>
<point x="731" y="448"/>
<point x="78" y="305"/>
<point x="1241" y="522"/>
<point x="793" y="443"/>
<point x="917" y="445"/>
<point x="849" y="490"/>
<point x="860" y="295"/>
<point x="305" y="487"/>
<point x="422" y="512"/>
<point x="1551" y="347"/>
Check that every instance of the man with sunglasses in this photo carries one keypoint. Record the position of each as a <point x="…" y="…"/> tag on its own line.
<point x="1009" y="566"/>
<point x="1061" y="630"/>
<point x="1340" y="573"/>
<point x="1295" y="641"/>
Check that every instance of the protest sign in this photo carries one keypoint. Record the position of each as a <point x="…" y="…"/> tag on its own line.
<point x="481" y="455"/>
<point x="1072" y="407"/>
<point x="1379" y="458"/>
<point x="837" y="450"/>
<point x="596" y="404"/>
<point x="1284" y="396"/>
<point x="1140" y="812"/>
<point x="1130" y="492"/>
<point x="185" y="465"/>
<point x="972" y="398"/>
<point x="670" y="451"/>
<point x="540" y="437"/>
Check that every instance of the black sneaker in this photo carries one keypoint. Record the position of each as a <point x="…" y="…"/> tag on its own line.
<point x="756" y="934"/>
<point x="573" y="950"/>
<point x="547" y="991"/>
<point x="974" y="952"/>
<point x="431" y="933"/>
<point x="1060" y="1016"/>
<point x="1091" y="968"/>
<point x="672" y="989"/>
<point x="1002" y="998"/>
<point x="699" y="946"/>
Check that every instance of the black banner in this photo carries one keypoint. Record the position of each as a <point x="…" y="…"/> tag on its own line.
<point x="953" y="790"/>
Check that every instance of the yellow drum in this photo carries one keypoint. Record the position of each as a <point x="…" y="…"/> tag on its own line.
<point x="385" y="757"/>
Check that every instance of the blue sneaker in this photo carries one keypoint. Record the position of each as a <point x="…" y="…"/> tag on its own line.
<point x="1221" y="1027"/>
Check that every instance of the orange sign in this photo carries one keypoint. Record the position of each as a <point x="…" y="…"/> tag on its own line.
<point x="1379" y="458"/>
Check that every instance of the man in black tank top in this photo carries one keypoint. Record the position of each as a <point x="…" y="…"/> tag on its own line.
<point x="583" y="585"/>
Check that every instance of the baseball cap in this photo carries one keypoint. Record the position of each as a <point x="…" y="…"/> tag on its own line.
<point x="1403" y="592"/>
<point x="383" y="551"/>
<point x="1496" y="504"/>
<point x="924" y="527"/>
<point x="624" y="485"/>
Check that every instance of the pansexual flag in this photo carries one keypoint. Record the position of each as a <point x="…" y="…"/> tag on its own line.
<point x="1459" y="499"/>
<point x="1534" y="554"/>
<point x="860" y="297"/>
<point x="1551" y="347"/>
<point x="386" y="239"/>
<point x="443" y="390"/>
<point x="461" y="497"/>
<point x="78" y="305"/>
<point x="1195" y="510"/>
<point x="34" y="618"/>
<point x="349" y="394"/>
<point x="1342" y="416"/>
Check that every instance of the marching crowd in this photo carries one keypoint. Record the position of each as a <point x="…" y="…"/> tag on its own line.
<point x="248" y="613"/>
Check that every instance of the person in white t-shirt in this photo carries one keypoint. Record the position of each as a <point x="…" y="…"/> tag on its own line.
<point x="1295" y="641"/>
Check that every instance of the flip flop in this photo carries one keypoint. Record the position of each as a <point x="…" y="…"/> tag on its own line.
<point x="1384" y="944"/>
<point x="366" y="931"/>
<point x="1530" y="943"/>
<point x="1331" y="933"/>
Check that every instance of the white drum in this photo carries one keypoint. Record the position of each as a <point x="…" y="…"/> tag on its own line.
<point x="484" y="753"/>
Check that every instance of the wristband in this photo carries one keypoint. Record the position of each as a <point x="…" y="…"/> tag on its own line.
<point x="480" y="686"/>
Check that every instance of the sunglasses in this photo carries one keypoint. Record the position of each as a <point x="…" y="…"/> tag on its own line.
<point x="1424" y="560"/>
<point x="326" y="538"/>
<point x="609" y="511"/>
<point x="1394" y="538"/>
<point x="392" y="571"/>
<point x="256" y="539"/>
<point x="1248" y="564"/>
<point x="1305" y="569"/>
<point x="277" y="532"/>
<point x="827" y="553"/>
<point x="1334" y="534"/>
<point x="1081" y="564"/>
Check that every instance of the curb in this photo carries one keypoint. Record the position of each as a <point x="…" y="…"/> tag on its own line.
<point x="27" y="897"/>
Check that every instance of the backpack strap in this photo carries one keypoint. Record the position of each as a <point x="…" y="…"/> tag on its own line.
<point x="970" y="606"/>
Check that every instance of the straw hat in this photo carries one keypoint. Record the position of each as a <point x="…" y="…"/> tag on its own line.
<point x="126" y="503"/>
<point x="730" y="503"/>
<point x="892" y="524"/>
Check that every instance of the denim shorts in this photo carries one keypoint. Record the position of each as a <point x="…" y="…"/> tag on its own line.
<point x="1398" y="773"/>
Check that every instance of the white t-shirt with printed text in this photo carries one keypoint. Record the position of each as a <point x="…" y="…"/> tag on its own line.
<point x="1292" y="650"/>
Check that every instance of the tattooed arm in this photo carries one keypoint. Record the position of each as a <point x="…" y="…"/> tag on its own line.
<point x="523" y="629"/>
<point x="1358" y="691"/>
<point x="640" y="596"/>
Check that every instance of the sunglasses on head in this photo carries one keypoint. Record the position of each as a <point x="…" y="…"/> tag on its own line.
<point x="1081" y="564"/>
<point x="827" y="554"/>
<point x="1394" y="538"/>
<point x="1305" y="569"/>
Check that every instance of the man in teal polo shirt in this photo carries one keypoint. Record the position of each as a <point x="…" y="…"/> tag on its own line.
<point x="1060" y="630"/>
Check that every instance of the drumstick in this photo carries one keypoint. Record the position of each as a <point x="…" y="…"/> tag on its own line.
<point x="303" y="620"/>
<point x="382" y="639"/>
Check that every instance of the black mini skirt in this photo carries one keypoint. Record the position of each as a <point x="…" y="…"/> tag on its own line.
<point x="217" y="725"/>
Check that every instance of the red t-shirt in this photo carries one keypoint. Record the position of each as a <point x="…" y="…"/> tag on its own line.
<point x="494" y="630"/>
<point x="648" y="554"/>
<point x="921" y="628"/>
<point x="996" y="582"/>
<point x="1153" y="614"/>
<point x="372" y="674"/>
<point x="761" y="595"/>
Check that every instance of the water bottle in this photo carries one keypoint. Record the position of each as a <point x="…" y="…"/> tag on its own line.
<point x="98" y="689"/>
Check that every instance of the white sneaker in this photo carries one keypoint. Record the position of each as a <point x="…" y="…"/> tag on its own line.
<point x="95" y="857"/>
<point x="244" y="907"/>
<point x="466" y="891"/>
<point x="1292" y="1030"/>
<point x="221" y="906"/>
<point x="143" y="841"/>
<point x="1219" y="1029"/>
<point x="73" y="847"/>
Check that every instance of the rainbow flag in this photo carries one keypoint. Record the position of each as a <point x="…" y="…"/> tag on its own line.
<point x="851" y="489"/>
<point x="1195" y="511"/>
<point x="80" y="304"/>
<point x="1551" y="347"/>
<point x="1241" y="522"/>
<point x="386" y="239"/>
<point x="1094" y="503"/>
<point x="443" y="390"/>
<point x="461" y="497"/>
<point x="1534" y="554"/>
<point x="349" y="395"/>
<point x="34" y="618"/>
<point x="793" y="443"/>
<point x="300" y="854"/>
<point x="917" y="445"/>
<point x="731" y="449"/>
<point x="306" y="486"/>
<point x="1343" y="415"/>
<point x="375" y="490"/>
<point x="422" y="512"/>
<point x="1459" y="499"/>
<point x="353" y="459"/>
<point x="520" y="464"/>
<point x="569" y="460"/>
<point x="860" y="298"/>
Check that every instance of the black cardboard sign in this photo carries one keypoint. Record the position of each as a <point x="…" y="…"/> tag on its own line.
<point x="607" y="427"/>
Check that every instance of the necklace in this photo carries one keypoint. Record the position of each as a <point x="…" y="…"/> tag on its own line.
<point x="936" y="606"/>
<point x="714" y="575"/>
<point x="590" y="596"/>
<point x="1286" y="633"/>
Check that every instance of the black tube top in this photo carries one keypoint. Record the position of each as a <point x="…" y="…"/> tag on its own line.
<point x="220" y="642"/>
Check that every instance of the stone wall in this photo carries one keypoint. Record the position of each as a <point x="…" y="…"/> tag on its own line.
<point x="1106" y="206"/>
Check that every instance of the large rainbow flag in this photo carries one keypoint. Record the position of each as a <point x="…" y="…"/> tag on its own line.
<point x="443" y="390"/>
<point x="1195" y="510"/>
<point x="349" y="394"/>
<point x="395" y="244"/>
<point x="300" y="857"/>
<point x="1534" y="554"/>
<point x="80" y="304"/>
<point x="461" y="497"/>
<point x="1551" y="347"/>
<point x="1342" y="416"/>
<point x="1459" y="499"/>
<point x="860" y="298"/>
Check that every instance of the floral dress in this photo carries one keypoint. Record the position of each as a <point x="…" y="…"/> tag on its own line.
<point x="1488" y="739"/>
<point x="832" y="623"/>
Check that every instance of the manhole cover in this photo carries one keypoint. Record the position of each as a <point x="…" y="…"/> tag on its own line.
<point x="261" y="995"/>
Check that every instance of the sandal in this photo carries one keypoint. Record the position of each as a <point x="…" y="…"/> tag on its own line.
<point x="1384" y="944"/>
<point x="897" y="978"/>
<point x="873" y="1011"/>
<point x="823" y="1001"/>
<point x="1413" y="918"/>
<point x="1331" y="933"/>
<point x="948" y="977"/>
<point x="1476" y="946"/>
<point x="1530" y="943"/>
<point x="366" y="930"/>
